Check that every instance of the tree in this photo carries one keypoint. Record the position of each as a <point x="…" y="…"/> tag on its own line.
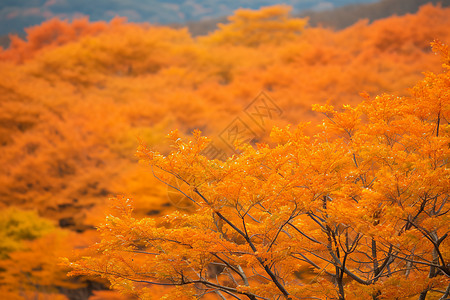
<point x="50" y="34"/>
<point x="28" y="247"/>
<point x="34" y="273"/>
<point x="359" y="210"/>
<point x="17" y="226"/>
<point x="255" y="27"/>
<point x="60" y="159"/>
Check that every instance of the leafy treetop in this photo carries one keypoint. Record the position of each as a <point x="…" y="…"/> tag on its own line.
<point x="360" y="210"/>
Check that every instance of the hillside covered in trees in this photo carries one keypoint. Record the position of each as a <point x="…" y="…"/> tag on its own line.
<point x="76" y="98"/>
<point x="16" y="15"/>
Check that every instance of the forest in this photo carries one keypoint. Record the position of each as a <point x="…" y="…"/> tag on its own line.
<point x="269" y="159"/>
<point x="15" y="15"/>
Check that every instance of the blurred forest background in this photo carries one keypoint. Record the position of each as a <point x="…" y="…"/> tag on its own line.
<point x="16" y="15"/>
<point x="77" y="94"/>
<point x="200" y="17"/>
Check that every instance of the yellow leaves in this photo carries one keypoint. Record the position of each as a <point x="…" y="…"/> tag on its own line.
<point x="270" y="25"/>
<point x="17" y="226"/>
<point x="325" y="109"/>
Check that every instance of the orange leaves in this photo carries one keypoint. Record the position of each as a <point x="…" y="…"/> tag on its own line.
<point x="270" y="25"/>
<point x="50" y="34"/>
<point x="442" y="50"/>
<point x="368" y="192"/>
<point x="122" y="206"/>
<point x="374" y="180"/>
<point x="145" y="80"/>
<point x="433" y="100"/>
<point x="35" y="268"/>
<point x="196" y="145"/>
<point x="398" y="286"/>
<point x="342" y="122"/>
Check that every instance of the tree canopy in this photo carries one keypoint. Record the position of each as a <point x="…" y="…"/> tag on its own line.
<point x="359" y="210"/>
<point x="75" y="95"/>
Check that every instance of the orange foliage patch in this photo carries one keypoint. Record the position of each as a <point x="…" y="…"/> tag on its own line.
<point x="358" y="211"/>
<point x="74" y="97"/>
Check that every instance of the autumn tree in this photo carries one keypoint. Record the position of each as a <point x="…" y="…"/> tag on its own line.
<point x="61" y="159"/>
<point x="86" y="68"/>
<point x="50" y="34"/>
<point x="28" y="247"/>
<point x="255" y="27"/>
<point x="17" y="226"/>
<point x="359" y="210"/>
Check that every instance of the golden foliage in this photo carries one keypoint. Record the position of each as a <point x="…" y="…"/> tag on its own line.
<point x="74" y="97"/>
<point x="17" y="226"/>
<point x="358" y="210"/>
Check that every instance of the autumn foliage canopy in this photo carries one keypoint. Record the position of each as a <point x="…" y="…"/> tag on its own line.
<point x="359" y="210"/>
<point x="354" y="208"/>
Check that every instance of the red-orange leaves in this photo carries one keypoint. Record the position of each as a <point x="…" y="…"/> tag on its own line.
<point x="50" y="34"/>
